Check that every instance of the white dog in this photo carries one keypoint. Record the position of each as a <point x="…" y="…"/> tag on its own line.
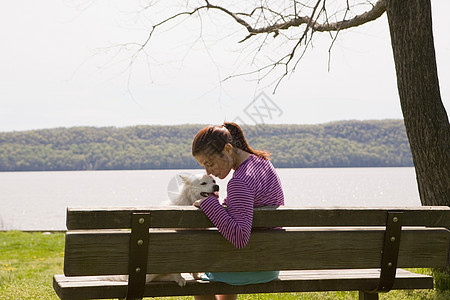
<point x="193" y="188"/>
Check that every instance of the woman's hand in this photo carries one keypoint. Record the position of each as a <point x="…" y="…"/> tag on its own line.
<point x="198" y="202"/>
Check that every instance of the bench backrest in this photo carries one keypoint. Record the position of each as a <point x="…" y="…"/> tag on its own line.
<point x="100" y="242"/>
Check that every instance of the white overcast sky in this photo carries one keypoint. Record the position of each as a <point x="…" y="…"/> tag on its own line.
<point x="56" y="71"/>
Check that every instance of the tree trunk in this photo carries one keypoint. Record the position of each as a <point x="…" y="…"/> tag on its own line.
<point x="425" y="118"/>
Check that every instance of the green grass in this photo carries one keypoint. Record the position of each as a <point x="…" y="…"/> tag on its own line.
<point x="28" y="262"/>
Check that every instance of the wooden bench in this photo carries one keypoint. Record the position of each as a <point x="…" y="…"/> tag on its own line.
<point x="336" y="249"/>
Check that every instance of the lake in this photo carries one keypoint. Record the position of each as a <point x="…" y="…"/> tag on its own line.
<point x="38" y="200"/>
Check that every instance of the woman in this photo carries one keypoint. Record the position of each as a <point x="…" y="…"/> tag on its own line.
<point x="255" y="183"/>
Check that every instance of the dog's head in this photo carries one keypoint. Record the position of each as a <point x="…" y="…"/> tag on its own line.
<point x="196" y="187"/>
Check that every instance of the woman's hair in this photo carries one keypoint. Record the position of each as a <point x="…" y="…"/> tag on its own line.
<point x="212" y="139"/>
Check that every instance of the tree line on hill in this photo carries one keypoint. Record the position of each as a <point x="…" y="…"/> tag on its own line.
<point x="337" y="144"/>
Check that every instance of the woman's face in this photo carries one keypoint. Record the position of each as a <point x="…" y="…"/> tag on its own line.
<point x="218" y="165"/>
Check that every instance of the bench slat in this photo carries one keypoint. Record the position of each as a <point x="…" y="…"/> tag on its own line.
<point x="103" y="253"/>
<point x="191" y="217"/>
<point x="289" y="281"/>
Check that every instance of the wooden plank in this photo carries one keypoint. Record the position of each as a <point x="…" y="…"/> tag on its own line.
<point x="191" y="217"/>
<point x="88" y="287"/>
<point x="102" y="251"/>
<point x="199" y="250"/>
<point x="289" y="281"/>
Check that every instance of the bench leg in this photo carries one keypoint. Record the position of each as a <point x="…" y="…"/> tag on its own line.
<point x="367" y="296"/>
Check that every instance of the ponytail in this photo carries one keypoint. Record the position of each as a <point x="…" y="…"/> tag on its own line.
<point x="212" y="140"/>
<point x="238" y="140"/>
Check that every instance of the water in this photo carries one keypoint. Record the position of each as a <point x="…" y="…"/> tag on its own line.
<point x="38" y="200"/>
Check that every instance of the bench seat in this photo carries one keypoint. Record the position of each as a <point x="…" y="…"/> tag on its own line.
<point x="83" y="287"/>
<point x="317" y="249"/>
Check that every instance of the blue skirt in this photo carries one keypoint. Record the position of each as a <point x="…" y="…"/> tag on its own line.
<point x="241" y="278"/>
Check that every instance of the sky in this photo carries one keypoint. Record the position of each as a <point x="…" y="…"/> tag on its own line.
<point x="61" y="65"/>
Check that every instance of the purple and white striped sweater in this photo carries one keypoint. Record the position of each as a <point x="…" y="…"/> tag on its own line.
<point x="255" y="183"/>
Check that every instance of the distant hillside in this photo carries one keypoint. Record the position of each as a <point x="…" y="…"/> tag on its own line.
<point x="338" y="144"/>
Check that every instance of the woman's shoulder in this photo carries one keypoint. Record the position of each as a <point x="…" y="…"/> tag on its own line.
<point x="253" y="168"/>
<point x="258" y="164"/>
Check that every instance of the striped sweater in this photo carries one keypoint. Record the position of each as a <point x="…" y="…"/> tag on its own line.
<point x="255" y="183"/>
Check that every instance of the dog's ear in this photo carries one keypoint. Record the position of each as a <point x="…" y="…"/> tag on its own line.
<point x="183" y="178"/>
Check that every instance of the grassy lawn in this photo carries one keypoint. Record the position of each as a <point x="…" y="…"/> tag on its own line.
<point x="28" y="262"/>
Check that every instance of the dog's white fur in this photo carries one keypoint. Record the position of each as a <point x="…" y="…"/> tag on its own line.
<point x="193" y="188"/>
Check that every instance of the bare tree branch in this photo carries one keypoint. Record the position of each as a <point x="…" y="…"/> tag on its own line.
<point x="262" y="20"/>
<point x="377" y="10"/>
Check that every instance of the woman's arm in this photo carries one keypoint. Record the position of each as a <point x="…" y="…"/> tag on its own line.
<point x="234" y="223"/>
